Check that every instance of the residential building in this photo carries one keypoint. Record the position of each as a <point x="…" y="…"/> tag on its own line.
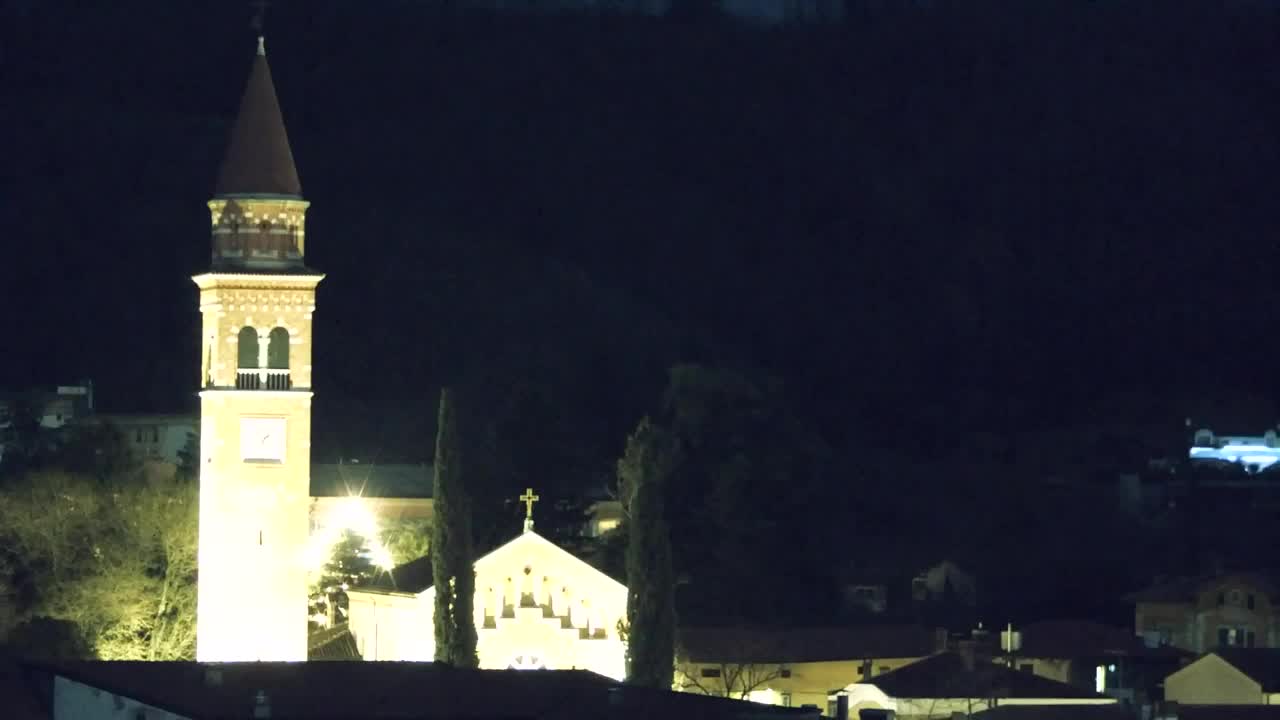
<point x="160" y="438"/>
<point x="1205" y="613"/>
<point x="1091" y="656"/>
<point x="796" y="666"/>
<point x="50" y="409"/>
<point x="1254" y="453"/>
<point x="959" y="682"/>
<point x="1117" y="711"/>
<point x="940" y="594"/>
<point x="1230" y="676"/>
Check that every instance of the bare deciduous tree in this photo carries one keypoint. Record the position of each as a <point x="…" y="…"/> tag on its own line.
<point x="116" y="558"/>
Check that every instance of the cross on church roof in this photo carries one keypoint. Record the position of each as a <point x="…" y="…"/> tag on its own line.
<point x="528" y="498"/>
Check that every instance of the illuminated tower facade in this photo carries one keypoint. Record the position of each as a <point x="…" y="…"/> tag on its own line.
<point x="256" y="302"/>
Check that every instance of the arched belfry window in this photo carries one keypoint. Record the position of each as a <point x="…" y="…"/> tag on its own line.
<point x="278" y="349"/>
<point x="247" y="351"/>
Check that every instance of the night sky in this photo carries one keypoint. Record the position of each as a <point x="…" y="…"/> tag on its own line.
<point x="934" y="218"/>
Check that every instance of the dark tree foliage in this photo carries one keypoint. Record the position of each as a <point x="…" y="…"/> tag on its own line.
<point x="44" y="638"/>
<point x="749" y="474"/>
<point x="95" y="449"/>
<point x="348" y="565"/>
<point x="26" y="444"/>
<point x="643" y="472"/>
<point x="189" y="458"/>
<point x="452" y="562"/>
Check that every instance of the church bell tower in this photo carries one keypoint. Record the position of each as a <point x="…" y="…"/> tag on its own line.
<point x="256" y="303"/>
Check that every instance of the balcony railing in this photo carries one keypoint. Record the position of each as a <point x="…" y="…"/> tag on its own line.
<point x="263" y="379"/>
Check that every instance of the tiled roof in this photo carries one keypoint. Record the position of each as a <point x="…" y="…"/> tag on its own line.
<point x="1186" y="589"/>
<point x="1229" y="712"/>
<point x="394" y="691"/>
<point x="412" y="577"/>
<point x="1114" y="711"/>
<point x="258" y="159"/>
<point x="371" y="480"/>
<point x="945" y="676"/>
<point x="1083" y="639"/>
<point x="1261" y="664"/>
<point x="815" y="644"/>
<point x="333" y="644"/>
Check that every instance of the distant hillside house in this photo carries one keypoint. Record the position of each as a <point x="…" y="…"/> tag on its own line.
<point x="536" y="606"/>
<point x="1254" y="453"/>
<point x="1206" y="613"/>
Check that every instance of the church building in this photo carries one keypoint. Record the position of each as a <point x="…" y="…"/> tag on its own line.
<point x="536" y="607"/>
<point x="256" y="303"/>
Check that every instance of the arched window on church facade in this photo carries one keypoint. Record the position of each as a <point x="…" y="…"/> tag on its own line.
<point x="278" y="349"/>
<point x="278" y="359"/>
<point x="247" y="359"/>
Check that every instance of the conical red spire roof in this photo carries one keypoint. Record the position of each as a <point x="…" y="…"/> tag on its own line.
<point x="258" y="160"/>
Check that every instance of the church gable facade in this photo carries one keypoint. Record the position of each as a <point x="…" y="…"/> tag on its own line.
<point x="536" y="606"/>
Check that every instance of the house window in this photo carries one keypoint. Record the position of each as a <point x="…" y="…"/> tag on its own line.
<point x="155" y="434"/>
<point x="1235" y="637"/>
<point x="137" y="435"/>
<point x="1249" y="601"/>
<point x="1222" y="599"/>
<point x="785" y="672"/>
<point x="1027" y="667"/>
<point x="710" y="672"/>
<point x="786" y="699"/>
<point x="884" y="669"/>
<point x="1235" y="598"/>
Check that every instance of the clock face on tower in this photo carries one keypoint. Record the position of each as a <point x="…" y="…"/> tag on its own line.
<point x="262" y="439"/>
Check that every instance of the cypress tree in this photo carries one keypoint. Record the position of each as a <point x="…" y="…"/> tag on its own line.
<point x="452" y="565"/>
<point x="651" y="615"/>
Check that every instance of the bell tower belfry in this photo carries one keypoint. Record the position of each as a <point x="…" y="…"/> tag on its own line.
<point x="256" y="303"/>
